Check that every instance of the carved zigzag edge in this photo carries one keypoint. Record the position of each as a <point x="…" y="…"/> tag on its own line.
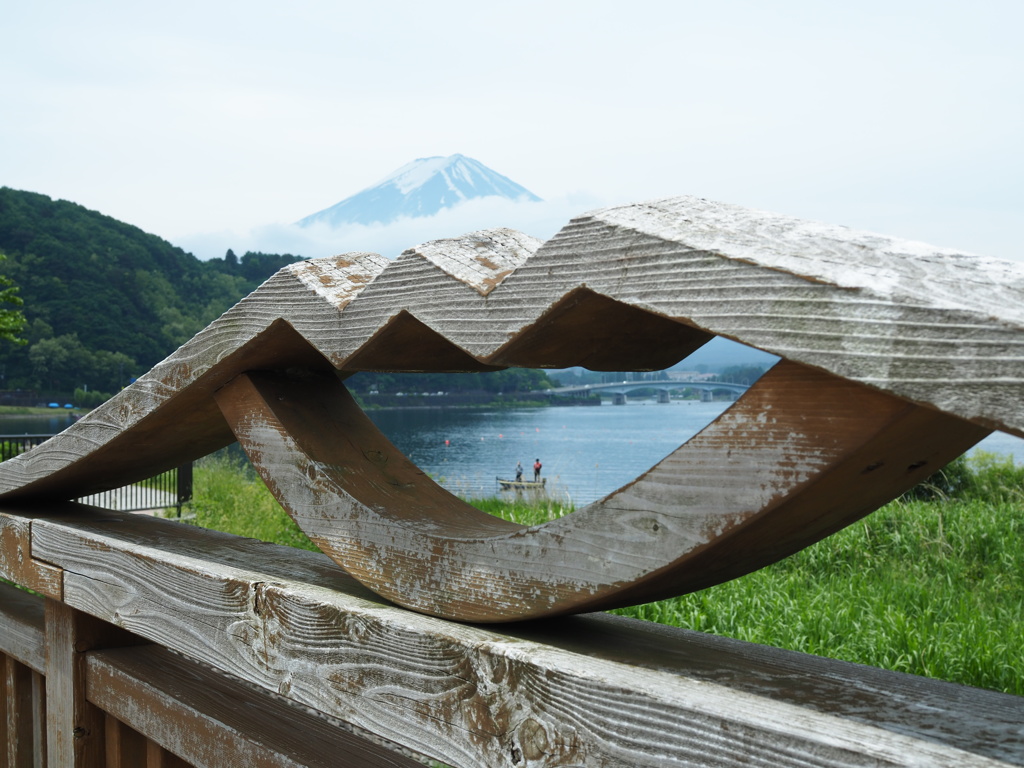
<point x="932" y="326"/>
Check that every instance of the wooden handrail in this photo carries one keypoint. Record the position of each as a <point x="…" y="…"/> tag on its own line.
<point x="150" y="702"/>
<point x="591" y="690"/>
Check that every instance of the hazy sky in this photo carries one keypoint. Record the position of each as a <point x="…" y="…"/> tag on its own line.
<point x="215" y="124"/>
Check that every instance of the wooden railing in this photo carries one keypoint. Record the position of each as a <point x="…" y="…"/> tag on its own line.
<point x="194" y="647"/>
<point x="149" y="642"/>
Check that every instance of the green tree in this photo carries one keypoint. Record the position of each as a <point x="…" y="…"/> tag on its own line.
<point x="109" y="371"/>
<point x="54" y="360"/>
<point x="118" y="288"/>
<point x="12" y="321"/>
<point x="741" y="374"/>
<point x="64" y="363"/>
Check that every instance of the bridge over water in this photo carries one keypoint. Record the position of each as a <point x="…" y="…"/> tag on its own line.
<point x="621" y="389"/>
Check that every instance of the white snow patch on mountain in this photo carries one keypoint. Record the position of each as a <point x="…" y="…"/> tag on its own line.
<point x="413" y="175"/>
<point x="420" y="189"/>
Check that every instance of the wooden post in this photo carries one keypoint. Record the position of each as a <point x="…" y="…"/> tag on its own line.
<point x="18" y="682"/>
<point x="39" y="719"/>
<point x="74" y="728"/>
<point x="5" y="696"/>
<point x="158" y="757"/>
<point x="125" y="748"/>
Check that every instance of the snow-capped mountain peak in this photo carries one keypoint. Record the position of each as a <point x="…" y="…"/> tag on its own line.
<point x="421" y="188"/>
<point x="417" y="173"/>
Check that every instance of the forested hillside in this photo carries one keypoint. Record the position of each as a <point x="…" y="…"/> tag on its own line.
<point x="104" y="300"/>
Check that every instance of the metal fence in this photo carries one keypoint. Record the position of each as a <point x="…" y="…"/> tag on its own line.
<point x="168" y="490"/>
<point x="12" y="445"/>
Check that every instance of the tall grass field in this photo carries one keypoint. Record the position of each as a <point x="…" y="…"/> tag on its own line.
<point x="931" y="584"/>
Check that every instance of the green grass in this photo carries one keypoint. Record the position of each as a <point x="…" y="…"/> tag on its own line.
<point x="931" y="584"/>
<point x="934" y="589"/>
<point x="229" y="497"/>
<point x="524" y="510"/>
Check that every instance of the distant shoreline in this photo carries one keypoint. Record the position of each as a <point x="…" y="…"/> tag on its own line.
<point x="28" y="410"/>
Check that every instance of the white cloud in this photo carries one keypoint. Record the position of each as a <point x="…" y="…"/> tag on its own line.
<point x="540" y="219"/>
<point x="207" y="117"/>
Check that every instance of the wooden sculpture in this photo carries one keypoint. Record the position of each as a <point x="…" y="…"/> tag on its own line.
<point x="897" y="357"/>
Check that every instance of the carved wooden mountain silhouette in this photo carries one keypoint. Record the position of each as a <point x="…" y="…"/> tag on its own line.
<point x="897" y="357"/>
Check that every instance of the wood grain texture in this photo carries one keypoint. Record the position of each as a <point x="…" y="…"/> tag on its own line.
<point x="39" y="751"/>
<point x="158" y="757"/>
<point x="18" y="744"/>
<point x="578" y="691"/>
<point x="16" y="561"/>
<point x="927" y="342"/>
<point x="747" y="491"/>
<point x="3" y="700"/>
<point x="125" y="747"/>
<point x="168" y="417"/>
<point x="22" y="636"/>
<point x="926" y="324"/>
<point x="204" y="717"/>
<point x="75" y="729"/>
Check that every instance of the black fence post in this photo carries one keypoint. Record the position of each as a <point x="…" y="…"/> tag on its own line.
<point x="184" y="485"/>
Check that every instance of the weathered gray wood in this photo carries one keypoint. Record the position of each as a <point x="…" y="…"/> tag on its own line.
<point x="16" y="561"/>
<point x="202" y="716"/>
<point x="926" y="324"/>
<point x="168" y="417"/>
<point x="608" y="692"/>
<point x="917" y="326"/>
<point x="3" y="700"/>
<point x="22" y="636"/>
<point x="23" y="643"/>
<point x="74" y="728"/>
<point x="39" y="720"/>
<point x="18" y="743"/>
<point x="745" y="492"/>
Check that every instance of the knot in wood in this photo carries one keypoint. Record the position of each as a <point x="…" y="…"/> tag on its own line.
<point x="533" y="739"/>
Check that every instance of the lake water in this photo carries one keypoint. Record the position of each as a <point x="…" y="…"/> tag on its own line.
<point x="50" y="424"/>
<point x="587" y="452"/>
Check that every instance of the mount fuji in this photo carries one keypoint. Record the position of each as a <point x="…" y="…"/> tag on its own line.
<point x="421" y="188"/>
